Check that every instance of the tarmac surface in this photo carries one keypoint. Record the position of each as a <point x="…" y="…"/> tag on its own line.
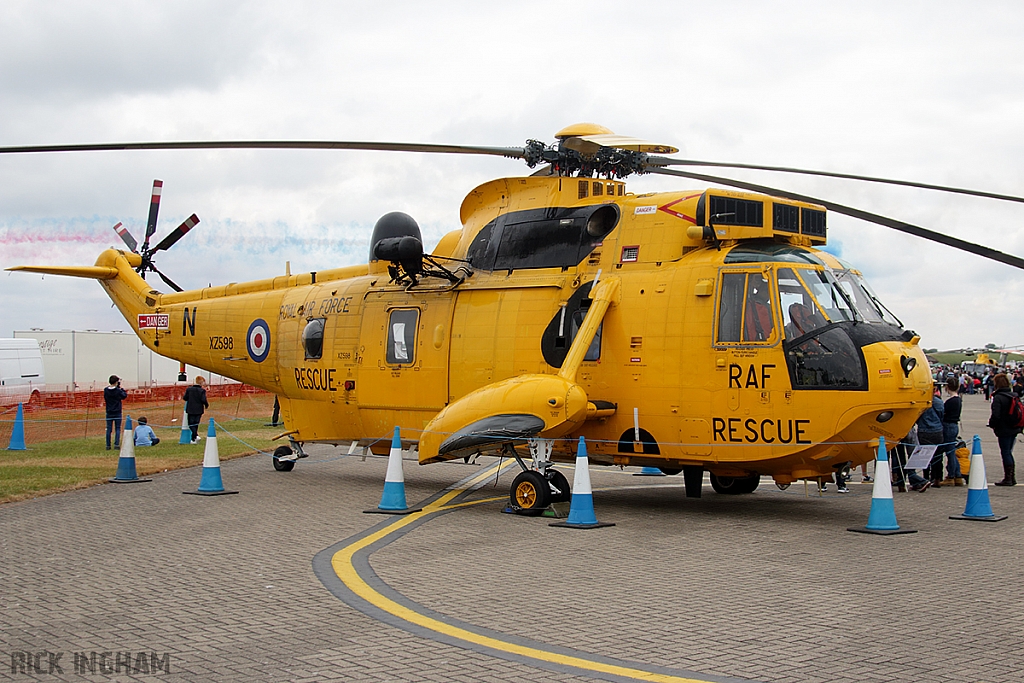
<point x="291" y="581"/>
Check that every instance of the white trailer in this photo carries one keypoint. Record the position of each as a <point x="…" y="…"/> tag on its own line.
<point x="85" y="359"/>
<point x="21" y="370"/>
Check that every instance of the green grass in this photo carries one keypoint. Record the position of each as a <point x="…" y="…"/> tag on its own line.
<point x="957" y="358"/>
<point x="55" y="466"/>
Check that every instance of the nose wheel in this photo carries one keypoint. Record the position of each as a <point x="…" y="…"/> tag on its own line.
<point x="534" y="489"/>
<point x="530" y="492"/>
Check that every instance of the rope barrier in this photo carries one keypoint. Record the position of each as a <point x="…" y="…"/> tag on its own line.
<point x="567" y="440"/>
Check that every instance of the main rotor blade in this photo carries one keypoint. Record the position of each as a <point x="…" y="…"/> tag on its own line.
<point x="511" y="152"/>
<point x="908" y="228"/>
<point x="177" y="233"/>
<point x="126" y="236"/>
<point x="666" y="161"/>
<point x="154" y="209"/>
<point x="170" y="283"/>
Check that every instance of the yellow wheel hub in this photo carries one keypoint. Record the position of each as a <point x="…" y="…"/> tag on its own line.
<point x="526" y="495"/>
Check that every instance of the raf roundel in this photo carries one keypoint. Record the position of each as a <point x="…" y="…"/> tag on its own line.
<point x="257" y="341"/>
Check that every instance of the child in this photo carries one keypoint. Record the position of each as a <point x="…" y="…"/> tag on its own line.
<point x="144" y="435"/>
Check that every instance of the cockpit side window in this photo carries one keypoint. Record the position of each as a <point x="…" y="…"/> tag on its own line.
<point x="758" y="322"/>
<point x="730" y="307"/>
<point x="800" y="315"/>
<point x="745" y="312"/>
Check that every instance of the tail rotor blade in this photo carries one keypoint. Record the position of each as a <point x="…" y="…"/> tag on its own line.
<point x="177" y="233"/>
<point x="170" y="283"/>
<point x="154" y="209"/>
<point x="126" y="237"/>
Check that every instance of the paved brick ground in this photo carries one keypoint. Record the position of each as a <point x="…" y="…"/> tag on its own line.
<point x="769" y="586"/>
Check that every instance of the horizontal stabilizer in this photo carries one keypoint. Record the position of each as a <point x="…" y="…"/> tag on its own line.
<point x="91" y="272"/>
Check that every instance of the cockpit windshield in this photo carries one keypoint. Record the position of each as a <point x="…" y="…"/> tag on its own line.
<point x="828" y="294"/>
<point x="860" y="293"/>
<point x="811" y="300"/>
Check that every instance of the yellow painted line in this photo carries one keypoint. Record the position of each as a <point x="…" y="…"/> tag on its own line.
<point x="342" y="562"/>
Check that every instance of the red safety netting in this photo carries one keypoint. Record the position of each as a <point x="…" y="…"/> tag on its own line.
<point x="55" y="416"/>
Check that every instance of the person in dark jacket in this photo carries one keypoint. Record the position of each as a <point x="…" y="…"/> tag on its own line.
<point x="950" y="431"/>
<point x="929" y="433"/>
<point x="195" y="405"/>
<point x="112" y="397"/>
<point x="1002" y="426"/>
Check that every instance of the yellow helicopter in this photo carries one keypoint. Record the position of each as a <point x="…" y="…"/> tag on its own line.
<point x="690" y="331"/>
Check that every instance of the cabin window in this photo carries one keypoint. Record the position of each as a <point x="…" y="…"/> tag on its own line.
<point x="401" y="347"/>
<point x="745" y="312"/>
<point x="313" y="339"/>
<point x="594" y="350"/>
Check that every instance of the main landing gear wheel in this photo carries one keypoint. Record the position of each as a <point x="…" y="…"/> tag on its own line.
<point x="283" y="465"/>
<point x="735" y="485"/>
<point x="530" y="492"/>
<point x="558" y="480"/>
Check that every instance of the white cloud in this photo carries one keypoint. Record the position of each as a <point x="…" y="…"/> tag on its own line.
<point x="910" y="90"/>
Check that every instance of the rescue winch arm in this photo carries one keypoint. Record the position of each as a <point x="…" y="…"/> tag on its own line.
<point x="602" y="297"/>
<point x="520" y="408"/>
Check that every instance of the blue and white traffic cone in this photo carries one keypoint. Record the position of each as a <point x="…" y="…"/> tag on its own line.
<point x="581" y="507"/>
<point x="649" y="472"/>
<point x="17" y="442"/>
<point x="978" y="506"/>
<point x="211" y="484"/>
<point x="882" y="518"/>
<point x="126" y="473"/>
<point x="392" y="501"/>
<point x="186" y="433"/>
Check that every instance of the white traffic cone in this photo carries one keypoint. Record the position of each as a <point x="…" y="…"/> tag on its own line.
<point x="186" y="433"/>
<point x="392" y="502"/>
<point x="882" y="518"/>
<point x="978" y="508"/>
<point x="126" y="473"/>
<point x="581" y="508"/>
<point x="211" y="484"/>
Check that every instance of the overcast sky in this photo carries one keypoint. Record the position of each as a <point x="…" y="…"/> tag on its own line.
<point x="929" y="91"/>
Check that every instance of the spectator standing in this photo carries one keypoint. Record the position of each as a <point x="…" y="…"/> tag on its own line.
<point x="1006" y="433"/>
<point x="112" y="397"/>
<point x="144" y="435"/>
<point x="195" y="405"/>
<point x="950" y="431"/>
<point x="1018" y="385"/>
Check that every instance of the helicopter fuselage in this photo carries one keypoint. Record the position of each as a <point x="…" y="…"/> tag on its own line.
<point x="682" y="368"/>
